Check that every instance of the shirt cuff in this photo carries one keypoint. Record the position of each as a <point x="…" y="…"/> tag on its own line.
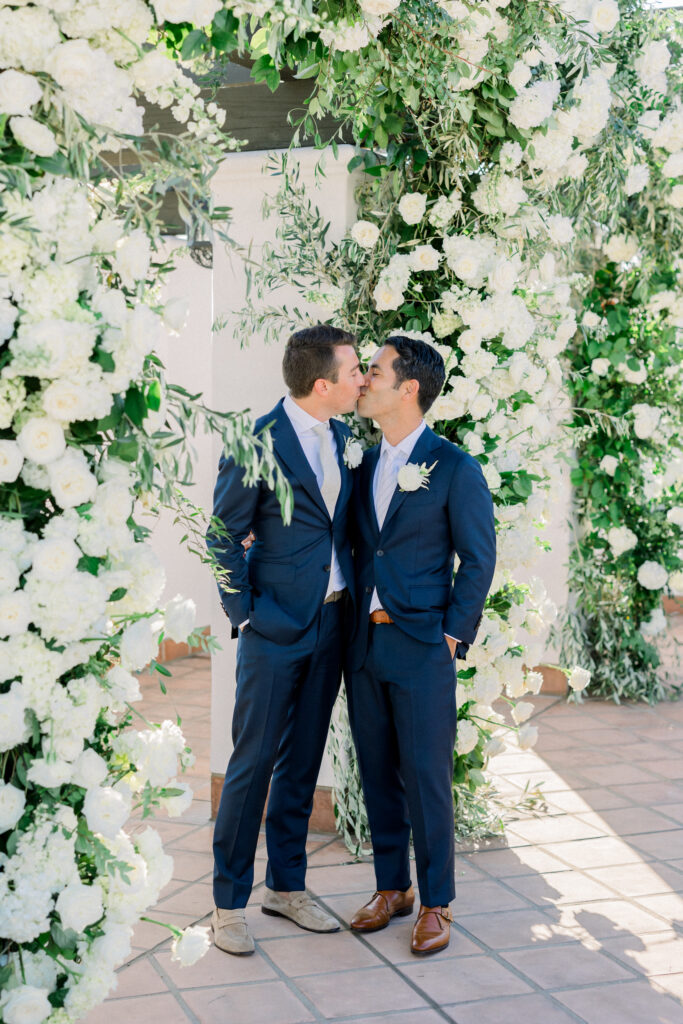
<point x="452" y="638"/>
<point x="243" y="624"/>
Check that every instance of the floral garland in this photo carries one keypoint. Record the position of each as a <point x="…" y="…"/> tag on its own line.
<point x="626" y="368"/>
<point x="87" y="426"/>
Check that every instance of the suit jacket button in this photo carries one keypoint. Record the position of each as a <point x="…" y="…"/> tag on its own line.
<point x="326" y="568"/>
<point x="380" y="553"/>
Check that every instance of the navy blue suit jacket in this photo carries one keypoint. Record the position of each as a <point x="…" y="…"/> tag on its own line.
<point x="281" y="583"/>
<point x="410" y="560"/>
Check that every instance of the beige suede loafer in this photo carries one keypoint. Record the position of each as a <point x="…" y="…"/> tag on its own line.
<point x="300" y="908"/>
<point x="230" y="932"/>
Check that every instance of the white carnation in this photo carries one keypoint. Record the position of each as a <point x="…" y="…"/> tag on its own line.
<point x="579" y="678"/>
<point x="139" y="643"/>
<point x="89" y="770"/>
<point x="194" y="941"/>
<point x="636" y="179"/>
<point x="18" y="92"/>
<point x="467" y="737"/>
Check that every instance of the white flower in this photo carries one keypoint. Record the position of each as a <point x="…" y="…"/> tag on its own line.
<point x="651" y="65"/>
<point x="675" y="515"/>
<point x="521" y="711"/>
<point x="33" y="135"/>
<point x="467" y="737"/>
<point x="376" y="8"/>
<point x="590" y="319"/>
<point x="560" y="229"/>
<point x="353" y="453"/>
<point x="655" y="624"/>
<point x="12" y="803"/>
<point x="676" y="582"/>
<point x="41" y="440"/>
<point x="179" y="618"/>
<point x="534" y="681"/>
<point x="621" y="539"/>
<point x="11" y="461"/>
<point x="652" y="575"/>
<point x="106" y="810"/>
<point x="89" y="770"/>
<point x="124" y="687"/>
<point x="518" y="77"/>
<point x="132" y="257"/>
<point x="605" y="15"/>
<point x="139" y="643"/>
<point x="79" y="905"/>
<point x="412" y="477"/>
<point x="533" y="105"/>
<point x="673" y="165"/>
<point x="675" y="197"/>
<point x="71" y="481"/>
<point x="646" y="419"/>
<point x="365" y="233"/>
<point x="13" y="729"/>
<point x="15" y="613"/>
<point x="200" y="12"/>
<point x="26" y="1005"/>
<point x="412" y="207"/>
<point x="578" y="678"/>
<point x="632" y="376"/>
<point x="50" y="774"/>
<point x="600" y="367"/>
<point x="425" y="257"/>
<point x="510" y="156"/>
<point x="387" y="296"/>
<point x="177" y="805"/>
<point x="636" y="179"/>
<point x="193" y="943"/>
<point x="54" y="559"/>
<point x="527" y="736"/>
<point x="18" y="92"/>
<point x="608" y="464"/>
<point x="621" y="248"/>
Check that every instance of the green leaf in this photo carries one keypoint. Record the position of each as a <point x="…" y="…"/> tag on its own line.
<point x="135" y="406"/>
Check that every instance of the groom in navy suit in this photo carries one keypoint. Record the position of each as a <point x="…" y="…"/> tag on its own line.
<point x="419" y="501"/>
<point x="290" y="601"/>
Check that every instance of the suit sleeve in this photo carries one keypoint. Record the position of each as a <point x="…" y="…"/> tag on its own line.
<point x="235" y="505"/>
<point x="470" y="510"/>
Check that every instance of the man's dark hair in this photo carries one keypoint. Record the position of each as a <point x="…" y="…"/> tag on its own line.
<point x="310" y="356"/>
<point x="416" y="360"/>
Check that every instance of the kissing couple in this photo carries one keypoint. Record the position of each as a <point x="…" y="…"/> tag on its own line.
<point x="362" y="580"/>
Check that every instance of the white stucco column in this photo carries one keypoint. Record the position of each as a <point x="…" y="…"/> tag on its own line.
<point x="250" y="377"/>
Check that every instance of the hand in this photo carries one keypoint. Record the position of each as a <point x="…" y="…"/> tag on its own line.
<point x="452" y="644"/>
<point x="248" y="541"/>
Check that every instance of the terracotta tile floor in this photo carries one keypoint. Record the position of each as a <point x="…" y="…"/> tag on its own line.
<point x="577" y="915"/>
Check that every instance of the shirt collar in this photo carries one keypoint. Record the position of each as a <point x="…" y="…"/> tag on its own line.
<point x="405" y="447"/>
<point x="299" y="418"/>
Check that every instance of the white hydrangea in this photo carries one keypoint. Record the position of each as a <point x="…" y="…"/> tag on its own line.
<point x="652" y="575"/>
<point x="621" y="539"/>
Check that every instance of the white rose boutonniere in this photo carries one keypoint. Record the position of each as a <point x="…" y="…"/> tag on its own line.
<point x="412" y="477"/>
<point x="353" y="453"/>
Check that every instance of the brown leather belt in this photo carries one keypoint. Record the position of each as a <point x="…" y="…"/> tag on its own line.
<point x="334" y="596"/>
<point x="381" y="617"/>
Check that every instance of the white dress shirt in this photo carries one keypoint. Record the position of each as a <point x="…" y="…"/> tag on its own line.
<point x="303" y="424"/>
<point x="398" y="455"/>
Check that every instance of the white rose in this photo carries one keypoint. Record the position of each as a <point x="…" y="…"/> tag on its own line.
<point x="425" y="257"/>
<point x="387" y="296"/>
<point x="579" y="678"/>
<point x="636" y="179"/>
<point x="89" y="770"/>
<point x="605" y="15"/>
<point x="140" y="643"/>
<point x="675" y="515"/>
<point x="54" y="559"/>
<point x="11" y="461"/>
<point x="106" y="810"/>
<point x="621" y="539"/>
<point x="527" y="736"/>
<point x="71" y="481"/>
<point x="12" y="803"/>
<point x="522" y="711"/>
<point x="41" y="440"/>
<point x="79" y="905"/>
<point x="412" y="207"/>
<point x="467" y="737"/>
<point x="600" y="367"/>
<point x="652" y="575"/>
<point x="26" y="1005"/>
<point x="365" y="233"/>
<point x="194" y="941"/>
<point x="409" y="477"/>
<point x="15" y="613"/>
<point x="33" y="135"/>
<point x="608" y="464"/>
<point x="179" y="618"/>
<point x="18" y="92"/>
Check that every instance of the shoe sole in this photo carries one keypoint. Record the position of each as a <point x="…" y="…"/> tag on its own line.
<point x="316" y="931"/>
<point x="380" y="927"/>
<point x="231" y="952"/>
<point x="429" y="952"/>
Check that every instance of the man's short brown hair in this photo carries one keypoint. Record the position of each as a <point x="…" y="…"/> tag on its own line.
<point x="310" y="356"/>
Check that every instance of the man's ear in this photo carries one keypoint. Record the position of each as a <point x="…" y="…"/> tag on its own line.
<point x="411" y="389"/>
<point x="321" y="387"/>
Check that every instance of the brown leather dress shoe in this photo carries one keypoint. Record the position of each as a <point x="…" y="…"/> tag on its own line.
<point x="432" y="930"/>
<point x="385" y="904"/>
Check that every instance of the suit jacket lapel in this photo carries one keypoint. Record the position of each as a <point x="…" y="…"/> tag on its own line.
<point x="425" y="443"/>
<point x="369" y="465"/>
<point x="288" y="449"/>
<point x="346" y="481"/>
